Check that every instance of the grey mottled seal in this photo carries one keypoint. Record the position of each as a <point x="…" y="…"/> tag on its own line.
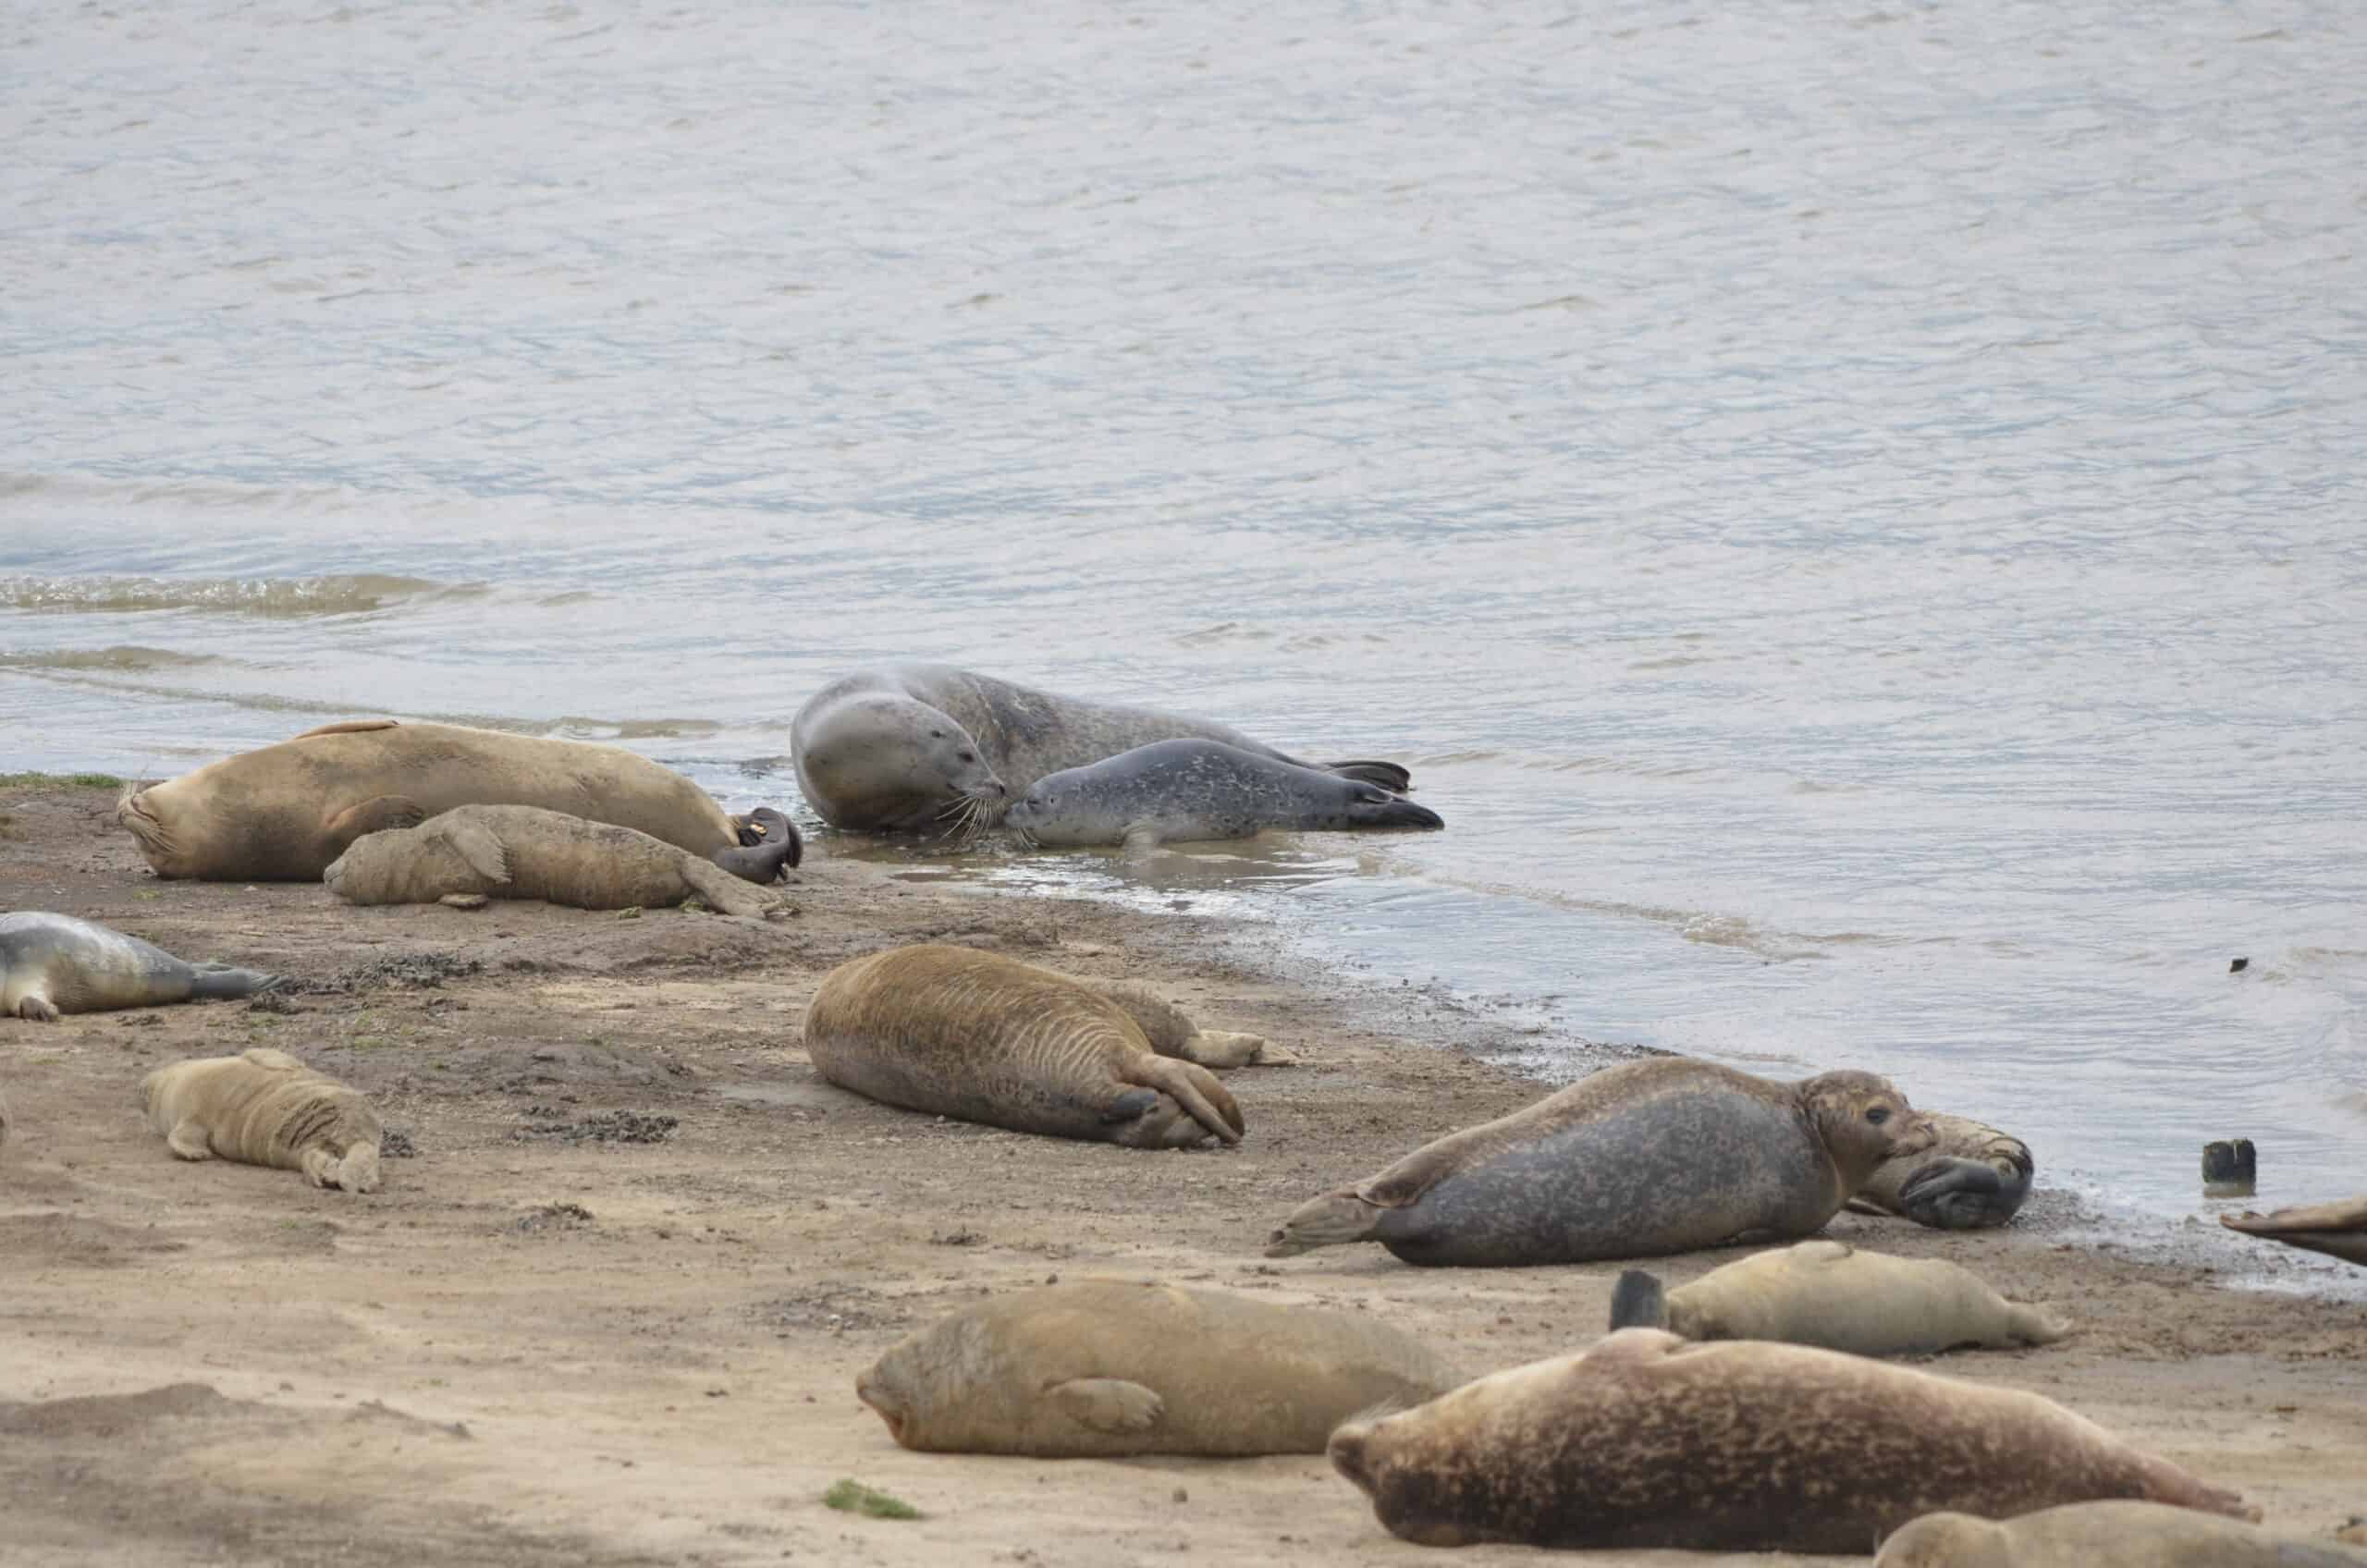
<point x="2101" y="1534"/>
<point x="922" y="747"/>
<point x="283" y="813"/>
<point x="4" y="1121"/>
<point x="1830" y="1293"/>
<point x="987" y="1038"/>
<point x="55" y="964"/>
<point x="527" y="853"/>
<point x="2337" y="1230"/>
<point x="1971" y="1177"/>
<point x="266" y="1107"/>
<point x="1195" y="790"/>
<point x="1647" y="1158"/>
<point x="1104" y="1369"/>
<point x="1646" y="1440"/>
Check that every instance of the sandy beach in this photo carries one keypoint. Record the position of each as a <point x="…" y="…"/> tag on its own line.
<point x="611" y="1309"/>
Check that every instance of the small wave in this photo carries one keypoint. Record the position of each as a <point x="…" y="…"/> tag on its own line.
<point x="341" y="595"/>
<point x="122" y="657"/>
<point x="575" y="729"/>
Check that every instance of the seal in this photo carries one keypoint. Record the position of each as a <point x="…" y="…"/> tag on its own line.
<point x="285" y="812"/>
<point x="914" y="747"/>
<point x="471" y="852"/>
<point x="266" y="1107"/>
<point x="55" y="964"/>
<point x="1828" y="1293"/>
<point x="1644" y="1158"/>
<point x="1197" y="791"/>
<point x="1972" y="1177"/>
<point x="1104" y="1369"/>
<point x="2337" y="1230"/>
<point x="2101" y="1534"/>
<point x="4" y="1122"/>
<point x="1645" y="1440"/>
<point x="987" y="1039"/>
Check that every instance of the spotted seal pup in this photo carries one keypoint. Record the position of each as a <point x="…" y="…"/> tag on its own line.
<point x="55" y="964"/>
<point x="1830" y="1293"/>
<point x="266" y="1107"/>
<point x="924" y="748"/>
<point x="2101" y="1534"/>
<point x="2337" y="1230"/>
<point x="1105" y="1368"/>
<point x="1971" y="1177"/>
<point x="527" y="853"/>
<point x="1196" y="790"/>
<point x="1646" y="1440"/>
<point x="1648" y="1157"/>
<point x="987" y="1038"/>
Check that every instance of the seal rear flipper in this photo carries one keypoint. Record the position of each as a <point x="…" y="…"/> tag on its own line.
<point x="378" y="813"/>
<point x="1108" y="1404"/>
<point x="223" y="983"/>
<point x="1957" y="1195"/>
<point x="762" y="862"/>
<point x="1332" y="1220"/>
<point x="1638" y="1301"/>
<point x="766" y="825"/>
<point x="348" y="726"/>
<point x="1198" y="1091"/>
<point x="1388" y="775"/>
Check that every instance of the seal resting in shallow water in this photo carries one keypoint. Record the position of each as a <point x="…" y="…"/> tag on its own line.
<point x="1646" y="1440"/>
<point x="285" y="812"/>
<point x="2337" y="1230"/>
<point x="922" y="747"/>
<point x="1971" y="1177"/>
<point x="55" y="964"/>
<point x="1199" y="790"/>
<point x="527" y="853"/>
<point x="2101" y="1534"/>
<point x="1830" y="1293"/>
<point x="1102" y="1369"/>
<point x="987" y="1038"/>
<point x="265" y="1108"/>
<point x="1644" y="1158"/>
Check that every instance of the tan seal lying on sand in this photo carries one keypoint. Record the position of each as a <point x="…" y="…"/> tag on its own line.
<point x="285" y="812"/>
<point x="1103" y="1368"/>
<point x="1646" y="1440"/>
<point x="1648" y="1158"/>
<point x="989" y="1039"/>
<point x="55" y="964"/>
<point x="527" y="853"/>
<point x="1971" y="1177"/>
<point x="2337" y="1230"/>
<point x="265" y="1108"/>
<point x="1830" y="1293"/>
<point x="2101" y="1534"/>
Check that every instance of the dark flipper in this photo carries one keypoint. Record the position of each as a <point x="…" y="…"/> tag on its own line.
<point x="1961" y="1195"/>
<point x="220" y="982"/>
<point x="1392" y="811"/>
<point x="1388" y="775"/>
<point x="770" y="843"/>
<point x="1638" y="1301"/>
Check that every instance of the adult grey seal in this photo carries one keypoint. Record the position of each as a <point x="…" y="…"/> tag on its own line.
<point x="922" y="747"/>
<point x="55" y="964"/>
<point x="1648" y="1157"/>
<point x="1971" y="1177"/>
<point x="266" y="1107"/>
<point x="1646" y="1440"/>
<point x="527" y="853"/>
<point x="285" y="812"/>
<point x="2337" y="1230"/>
<point x="1103" y="1368"/>
<point x="1195" y="790"/>
<point x="2101" y="1534"/>
<point x="1830" y="1293"/>
<point x="987" y="1039"/>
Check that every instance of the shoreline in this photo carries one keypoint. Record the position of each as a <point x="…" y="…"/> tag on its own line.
<point x="651" y="1346"/>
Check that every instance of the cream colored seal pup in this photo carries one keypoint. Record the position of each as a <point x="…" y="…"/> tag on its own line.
<point x="527" y="853"/>
<point x="1646" y="1440"/>
<point x="2337" y="1230"/>
<point x="987" y="1038"/>
<point x="54" y="963"/>
<point x="1971" y="1177"/>
<point x="265" y="1108"/>
<point x="2101" y="1534"/>
<point x="285" y="812"/>
<point x="1104" y="1369"/>
<point x="1830" y="1293"/>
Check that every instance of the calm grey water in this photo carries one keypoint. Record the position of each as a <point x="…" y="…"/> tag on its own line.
<point x="1851" y="511"/>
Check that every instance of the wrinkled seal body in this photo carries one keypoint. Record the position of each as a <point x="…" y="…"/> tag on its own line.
<point x="265" y="1108"/>
<point x="527" y="853"/>
<point x="1103" y="1368"/>
<point x="55" y="964"/>
<point x="1971" y="1177"/>
<point x="1194" y="791"/>
<point x="1646" y="1440"/>
<point x="1644" y="1158"/>
<point x="1830" y="1294"/>
<point x="920" y="747"/>
<point x="2337" y="1230"/>
<point x="987" y="1039"/>
<point x="285" y="812"/>
<point x="2101" y="1534"/>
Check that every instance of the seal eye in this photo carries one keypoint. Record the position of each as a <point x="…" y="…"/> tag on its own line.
<point x="1879" y="1115"/>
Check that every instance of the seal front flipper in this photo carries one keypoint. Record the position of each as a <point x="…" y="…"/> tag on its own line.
<point x="1141" y="839"/>
<point x="1638" y="1301"/>
<point x="476" y="845"/>
<point x="1388" y="775"/>
<point x="348" y="726"/>
<point x="1107" y="1405"/>
<point x="34" y="1008"/>
<point x="370" y="816"/>
<point x="189" y="1139"/>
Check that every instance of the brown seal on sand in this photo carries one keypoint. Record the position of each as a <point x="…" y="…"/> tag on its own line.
<point x="55" y="964"/>
<point x="1105" y="1368"/>
<point x="987" y="1038"/>
<point x="1971" y="1177"/>
<point x="265" y="1108"/>
<point x="1646" y="1440"/>
<point x="1644" y="1158"/>
<point x="2337" y="1230"/>
<point x="2101" y="1534"/>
